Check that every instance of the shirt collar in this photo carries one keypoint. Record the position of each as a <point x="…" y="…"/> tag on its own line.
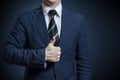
<point x="46" y="9"/>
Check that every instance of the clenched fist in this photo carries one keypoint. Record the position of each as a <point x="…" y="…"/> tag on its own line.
<point x="52" y="53"/>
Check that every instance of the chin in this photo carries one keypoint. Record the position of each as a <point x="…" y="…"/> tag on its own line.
<point x="52" y="1"/>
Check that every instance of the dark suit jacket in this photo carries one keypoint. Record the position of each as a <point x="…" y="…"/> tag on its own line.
<point x="29" y="37"/>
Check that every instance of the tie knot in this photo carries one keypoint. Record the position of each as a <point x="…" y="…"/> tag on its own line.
<point x="52" y="13"/>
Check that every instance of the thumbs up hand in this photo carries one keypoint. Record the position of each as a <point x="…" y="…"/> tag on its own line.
<point x="53" y="41"/>
<point x="52" y="53"/>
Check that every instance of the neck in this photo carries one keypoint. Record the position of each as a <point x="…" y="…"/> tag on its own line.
<point x="51" y="4"/>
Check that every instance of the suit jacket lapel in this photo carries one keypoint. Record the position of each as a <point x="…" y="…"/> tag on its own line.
<point x="41" y="25"/>
<point x="64" y="28"/>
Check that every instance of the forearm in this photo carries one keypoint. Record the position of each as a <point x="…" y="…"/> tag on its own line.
<point x="84" y="68"/>
<point x="24" y="57"/>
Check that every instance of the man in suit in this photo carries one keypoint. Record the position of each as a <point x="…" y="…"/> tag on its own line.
<point x="51" y="42"/>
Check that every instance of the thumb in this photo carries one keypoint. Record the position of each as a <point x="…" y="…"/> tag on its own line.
<point x="53" y="40"/>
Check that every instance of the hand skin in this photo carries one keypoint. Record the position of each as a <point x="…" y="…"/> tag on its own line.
<point x="52" y="53"/>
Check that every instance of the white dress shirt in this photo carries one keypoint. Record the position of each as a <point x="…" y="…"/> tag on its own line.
<point x="57" y="17"/>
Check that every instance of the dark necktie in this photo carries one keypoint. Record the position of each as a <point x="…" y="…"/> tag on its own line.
<point x="52" y="28"/>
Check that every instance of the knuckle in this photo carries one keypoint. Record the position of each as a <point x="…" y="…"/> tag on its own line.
<point x="58" y="53"/>
<point x="56" y="59"/>
<point x="59" y="48"/>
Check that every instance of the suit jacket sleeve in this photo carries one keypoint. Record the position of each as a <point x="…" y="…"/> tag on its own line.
<point x="14" y="50"/>
<point x="83" y="58"/>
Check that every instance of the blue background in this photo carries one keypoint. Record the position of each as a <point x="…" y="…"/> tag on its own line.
<point x="103" y="21"/>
